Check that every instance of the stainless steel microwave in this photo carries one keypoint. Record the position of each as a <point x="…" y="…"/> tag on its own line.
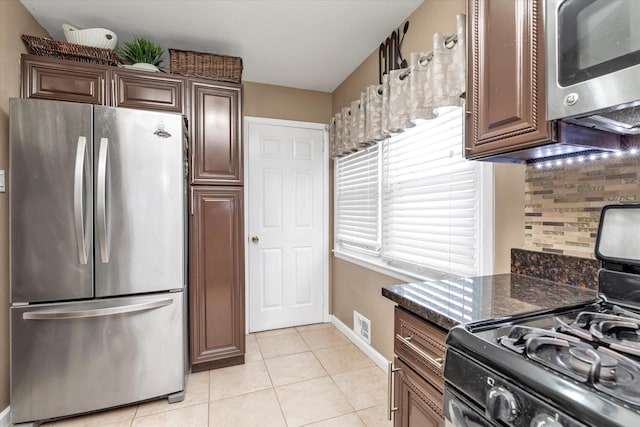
<point x="593" y="63"/>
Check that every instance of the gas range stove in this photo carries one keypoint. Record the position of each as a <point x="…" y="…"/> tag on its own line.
<point x="573" y="366"/>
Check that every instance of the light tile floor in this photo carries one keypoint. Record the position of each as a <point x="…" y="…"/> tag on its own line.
<point x="305" y="376"/>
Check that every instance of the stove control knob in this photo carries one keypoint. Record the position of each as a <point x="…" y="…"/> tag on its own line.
<point x="501" y="405"/>
<point x="545" y="420"/>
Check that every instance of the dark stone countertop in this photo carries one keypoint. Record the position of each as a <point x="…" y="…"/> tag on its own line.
<point x="448" y="303"/>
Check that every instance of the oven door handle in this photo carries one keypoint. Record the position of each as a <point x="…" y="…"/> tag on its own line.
<point x="436" y="362"/>
<point x="457" y="417"/>
<point x="461" y="413"/>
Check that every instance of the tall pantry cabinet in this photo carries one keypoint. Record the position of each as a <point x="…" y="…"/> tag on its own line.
<point x="216" y="226"/>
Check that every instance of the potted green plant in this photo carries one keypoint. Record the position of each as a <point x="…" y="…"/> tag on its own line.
<point x="142" y="54"/>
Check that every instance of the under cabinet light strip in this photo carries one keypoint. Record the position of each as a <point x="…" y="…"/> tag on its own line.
<point x="581" y="158"/>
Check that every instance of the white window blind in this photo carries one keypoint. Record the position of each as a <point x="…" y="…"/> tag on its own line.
<point x="357" y="210"/>
<point x="430" y="199"/>
<point x="425" y="220"/>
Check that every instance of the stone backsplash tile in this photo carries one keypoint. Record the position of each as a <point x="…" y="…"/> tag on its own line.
<point x="556" y="267"/>
<point x="563" y="203"/>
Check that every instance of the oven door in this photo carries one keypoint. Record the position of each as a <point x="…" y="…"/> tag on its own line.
<point x="459" y="412"/>
<point x="593" y="52"/>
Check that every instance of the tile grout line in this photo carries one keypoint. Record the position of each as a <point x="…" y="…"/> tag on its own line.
<point x="273" y="387"/>
<point x="336" y="385"/>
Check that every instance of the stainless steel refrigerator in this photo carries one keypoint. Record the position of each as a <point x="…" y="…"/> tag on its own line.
<point x="97" y="247"/>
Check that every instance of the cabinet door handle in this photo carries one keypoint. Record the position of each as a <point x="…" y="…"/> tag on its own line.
<point x="436" y="362"/>
<point x="191" y="201"/>
<point x="391" y="408"/>
<point x="193" y="165"/>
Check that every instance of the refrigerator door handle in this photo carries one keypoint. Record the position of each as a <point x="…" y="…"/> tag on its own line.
<point x="107" y="311"/>
<point x="82" y="163"/>
<point x="101" y="214"/>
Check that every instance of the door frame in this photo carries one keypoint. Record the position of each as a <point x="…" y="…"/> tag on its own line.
<point x="247" y="121"/>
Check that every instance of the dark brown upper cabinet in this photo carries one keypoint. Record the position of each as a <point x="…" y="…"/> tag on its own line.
<point x="216" y="141"/>
<point x="506" y="102"/>
<point x="60" y="80"/>
<point x="148" y="91"/>
<point x="63" y="80"/>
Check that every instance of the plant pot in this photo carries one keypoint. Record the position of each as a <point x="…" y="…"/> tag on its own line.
<point x="143" y="66"/>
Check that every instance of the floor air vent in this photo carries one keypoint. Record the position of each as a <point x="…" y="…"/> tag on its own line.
<point x="362" y="327"/>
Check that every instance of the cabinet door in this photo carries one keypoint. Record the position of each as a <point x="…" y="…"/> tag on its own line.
<point x="419" y="403"/>
<point x="217" y="277"/>
<point x="216" y="144"/>
<point x="506" y="102"/>
<point x="50" y="78"/>
<point x="148" y="91"/>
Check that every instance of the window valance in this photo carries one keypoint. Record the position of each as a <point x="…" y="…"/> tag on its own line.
<point x="406" y="96"/>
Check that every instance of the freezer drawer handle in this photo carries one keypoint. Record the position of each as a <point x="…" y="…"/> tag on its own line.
<point x="82" y="163"/>
<point x="101" y="214"/>
<point x="109" y="311"/>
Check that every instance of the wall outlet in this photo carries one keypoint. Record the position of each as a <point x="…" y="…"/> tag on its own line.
<point x="362" y="327"/>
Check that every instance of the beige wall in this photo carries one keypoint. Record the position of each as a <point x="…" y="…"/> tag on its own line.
<point x="508" y="214"/>
<point x="14" y="21"/>
<point x="279" y="102"/>
<point x="358" y="288"/>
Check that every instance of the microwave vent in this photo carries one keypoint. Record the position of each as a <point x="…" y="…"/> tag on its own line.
<point x="624" y="121"/>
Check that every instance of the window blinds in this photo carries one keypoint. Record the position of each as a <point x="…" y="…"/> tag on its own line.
<point x="413" y="201"/>
<point x="430" y="199"/>
<point x="357" y="210"/>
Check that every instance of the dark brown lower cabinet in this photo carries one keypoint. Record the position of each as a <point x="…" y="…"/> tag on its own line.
<point x="216" y="277"/>
<point x="420" y="347"/>
<point x="419" y="403"/>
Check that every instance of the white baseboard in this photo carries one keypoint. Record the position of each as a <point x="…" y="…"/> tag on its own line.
<point x="5" y="417"/>
<point x="371" y="352"/>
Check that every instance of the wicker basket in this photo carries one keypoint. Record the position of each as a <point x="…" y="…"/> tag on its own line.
<point x="207" y="65"/>
<point x="46" y="47"/>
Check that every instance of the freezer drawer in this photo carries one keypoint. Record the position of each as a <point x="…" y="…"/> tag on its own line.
<point x="70" y="358"/>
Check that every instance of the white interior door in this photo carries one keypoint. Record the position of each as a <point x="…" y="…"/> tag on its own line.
<point x="286" y="211"/>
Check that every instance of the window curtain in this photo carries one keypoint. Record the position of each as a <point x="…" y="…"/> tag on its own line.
<point x="406" y="97"/>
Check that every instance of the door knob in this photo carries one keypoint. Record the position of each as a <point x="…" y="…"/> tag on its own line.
<point x="255" y="239"/>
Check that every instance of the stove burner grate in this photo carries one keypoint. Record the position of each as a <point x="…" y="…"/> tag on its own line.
<point x="592" y="363"/>
<point x="587" y="349"/>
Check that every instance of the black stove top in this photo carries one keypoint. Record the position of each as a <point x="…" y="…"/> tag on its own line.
<point x="574" y="366"/>
<point x="599" y="347"/>
<point x="548" y="357"/>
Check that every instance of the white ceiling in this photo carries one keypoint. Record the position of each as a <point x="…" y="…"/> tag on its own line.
<point x="308" y="44"/>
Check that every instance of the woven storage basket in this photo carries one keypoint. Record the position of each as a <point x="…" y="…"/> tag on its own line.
<point x="207" y="65"/>
<point x="46" y="47"/>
